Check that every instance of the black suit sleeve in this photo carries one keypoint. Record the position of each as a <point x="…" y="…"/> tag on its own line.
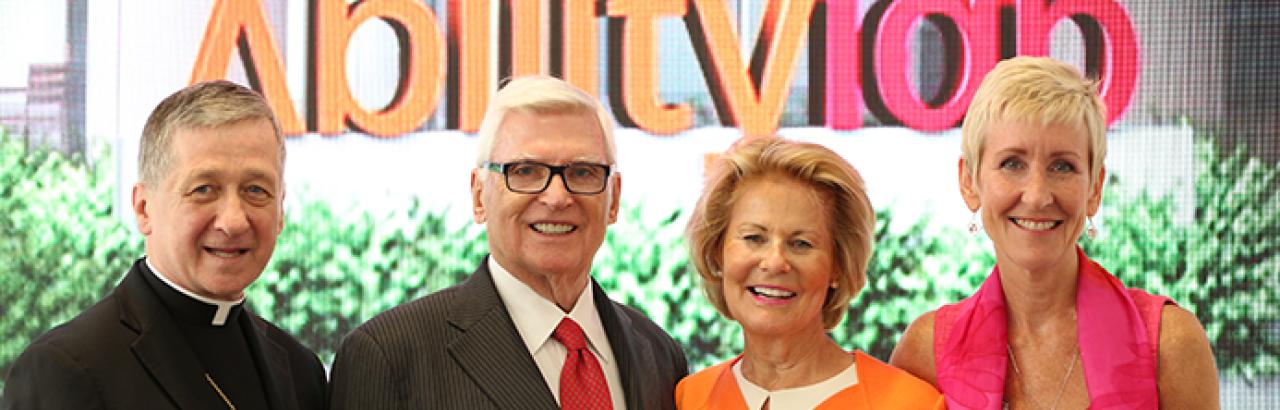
<point x="682" y="364"/>
<point x="46" y="377"/>
<point x="363" y="377"/>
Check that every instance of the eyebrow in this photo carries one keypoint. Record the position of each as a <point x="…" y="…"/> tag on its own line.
<point x="209" y="173"/>
<point x="524" y="156"/>
<point x="1023" y="151"/>
<point x="745" y="225"/>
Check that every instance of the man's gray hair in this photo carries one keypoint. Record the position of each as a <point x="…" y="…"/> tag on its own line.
<point x="202" y="105"/>
<point x="540" y="95"/>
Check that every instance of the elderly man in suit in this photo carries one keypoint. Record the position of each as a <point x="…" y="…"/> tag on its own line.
<point x="529" y="329"/>
<point x="175" y="333"/>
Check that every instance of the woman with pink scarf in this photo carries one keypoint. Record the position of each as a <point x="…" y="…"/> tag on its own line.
<point x="1050" y="328"/>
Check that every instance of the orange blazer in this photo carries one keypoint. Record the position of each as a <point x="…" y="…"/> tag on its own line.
<point x="880" y="386"/>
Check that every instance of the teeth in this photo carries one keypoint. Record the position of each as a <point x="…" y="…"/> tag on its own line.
<point x="771" y="292"/>
<point x="224" y="254"/>
<point x="1034" y="225"/>
<point x="554" y="229"/>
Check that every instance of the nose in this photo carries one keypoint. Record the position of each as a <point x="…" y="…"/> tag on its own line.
<point x="774" y="259"/>
<point x="557" y="194"/>
<point x="1038" y="192"/>
<point x="232" y="219"/>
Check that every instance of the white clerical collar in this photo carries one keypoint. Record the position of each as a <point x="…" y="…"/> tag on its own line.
<point x="536" y="317"/>
<point x="224" y="307"/>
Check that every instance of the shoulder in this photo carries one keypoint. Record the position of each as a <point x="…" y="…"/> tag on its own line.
<point x="888" y="384"/>
<point x="1179" y="329"/>
<point x="64" y="365"/>
<point x="914" y="352"/>
<point x="1186" y="372"/>
<point x="376" y="359"/>
<point x="648" y="336"/>
<point x="1181" y="336"/>
<point x="642" y="324"/>
<point x="410" y="318"/>
<point x="413" y="329"/>
<point x="93" y="330"/>
<point x="693" y="390"/>
<point x="47" y="374"/>
<point x="891" y="380"/>
<point x="646" y="329"/>
<point x="299" y="354"/>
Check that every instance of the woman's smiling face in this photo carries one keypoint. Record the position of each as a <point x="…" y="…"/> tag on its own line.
<point x="779" y="257"/>
<point x="1034" y="190"/>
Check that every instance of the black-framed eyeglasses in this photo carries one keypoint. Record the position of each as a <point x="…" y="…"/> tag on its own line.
<point x="532" y="177"/>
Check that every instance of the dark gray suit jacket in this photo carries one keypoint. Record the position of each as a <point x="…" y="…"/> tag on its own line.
<point x="458" y="348"/>
<point x="126" y="352"/>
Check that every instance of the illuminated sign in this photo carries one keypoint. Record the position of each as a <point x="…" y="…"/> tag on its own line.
<point x="562" y="40"/>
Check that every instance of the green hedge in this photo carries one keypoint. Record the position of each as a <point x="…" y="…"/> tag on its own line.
<point x="62" y="249"/>
<point x="1222" y="264"/>
<point x="332" y="270"/>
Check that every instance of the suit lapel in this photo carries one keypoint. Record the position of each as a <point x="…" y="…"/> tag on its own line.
<point x="160" y="347"/>
<point x="628" y="348"/>
<point x="273" y="364"/>
<point x="488" y="347"/>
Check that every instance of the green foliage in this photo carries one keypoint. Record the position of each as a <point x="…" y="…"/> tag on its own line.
<point x="332" y="272"/>
<point x="62" y="248"/>
<point x="644" y="263"/>
<point x="910" y="272"/>
<point x="1221" y="264"/>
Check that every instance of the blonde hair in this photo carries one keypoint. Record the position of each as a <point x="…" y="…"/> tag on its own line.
<point x="207" y="104"/>
<point x="852" y="218"/>
<point x="540" y="95"/>
<point x="1037" y="91"/>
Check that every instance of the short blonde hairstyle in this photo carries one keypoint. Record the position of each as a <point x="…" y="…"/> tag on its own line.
<point x="207" y="104"/>
<point x="853" y="220"/>
<point x="540" y="95"/>
<point x="1036" y="91"/>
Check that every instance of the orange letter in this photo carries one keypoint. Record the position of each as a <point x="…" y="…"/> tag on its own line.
<point x="526" y="37"/>
<point x="580" y="43"/>
<point x="471" y="71"/>
<point x="638" y="84"/>
<point x="244" y="23"/>
<point x="751" y="100"/>
<point x="421" y="61"/>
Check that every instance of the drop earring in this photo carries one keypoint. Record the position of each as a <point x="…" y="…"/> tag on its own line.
<point x="1092" y="231"/>
<point x="973" y="223"/>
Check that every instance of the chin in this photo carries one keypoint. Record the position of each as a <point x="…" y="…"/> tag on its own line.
<point x="557" y="267"/>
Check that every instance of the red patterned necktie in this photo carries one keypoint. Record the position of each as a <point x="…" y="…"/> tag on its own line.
<point x="582" y="384"/>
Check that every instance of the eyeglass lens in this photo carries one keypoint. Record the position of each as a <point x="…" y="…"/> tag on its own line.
<point x="578" y="178"/>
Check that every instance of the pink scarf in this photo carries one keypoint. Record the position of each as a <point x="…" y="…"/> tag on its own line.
<point x="1118" y="331"/>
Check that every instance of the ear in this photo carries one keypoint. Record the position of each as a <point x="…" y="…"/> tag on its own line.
<point x="1095" y="197"/>
<point x="968" y="189"/>
<point x="615" y="197"/>
<point x="477" y="189"/>
<point x="140" y="211"/>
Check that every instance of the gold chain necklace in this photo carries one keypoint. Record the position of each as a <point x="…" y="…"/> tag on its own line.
<point x="219" y="390"/>
<point x="1062" y="385"/>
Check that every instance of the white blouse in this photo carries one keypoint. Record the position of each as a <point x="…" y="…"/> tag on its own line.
<point x="805" y="397"/>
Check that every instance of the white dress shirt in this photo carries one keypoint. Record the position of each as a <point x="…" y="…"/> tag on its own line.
<point x="804" y="397"/>
<point x="536" y="319"/>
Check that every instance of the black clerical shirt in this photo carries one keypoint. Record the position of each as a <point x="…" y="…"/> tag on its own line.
<point x="223" y="349"/>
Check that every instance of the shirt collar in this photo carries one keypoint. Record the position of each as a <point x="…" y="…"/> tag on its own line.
<point x="222" y="308"/>
<point x="537" y="317"/>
